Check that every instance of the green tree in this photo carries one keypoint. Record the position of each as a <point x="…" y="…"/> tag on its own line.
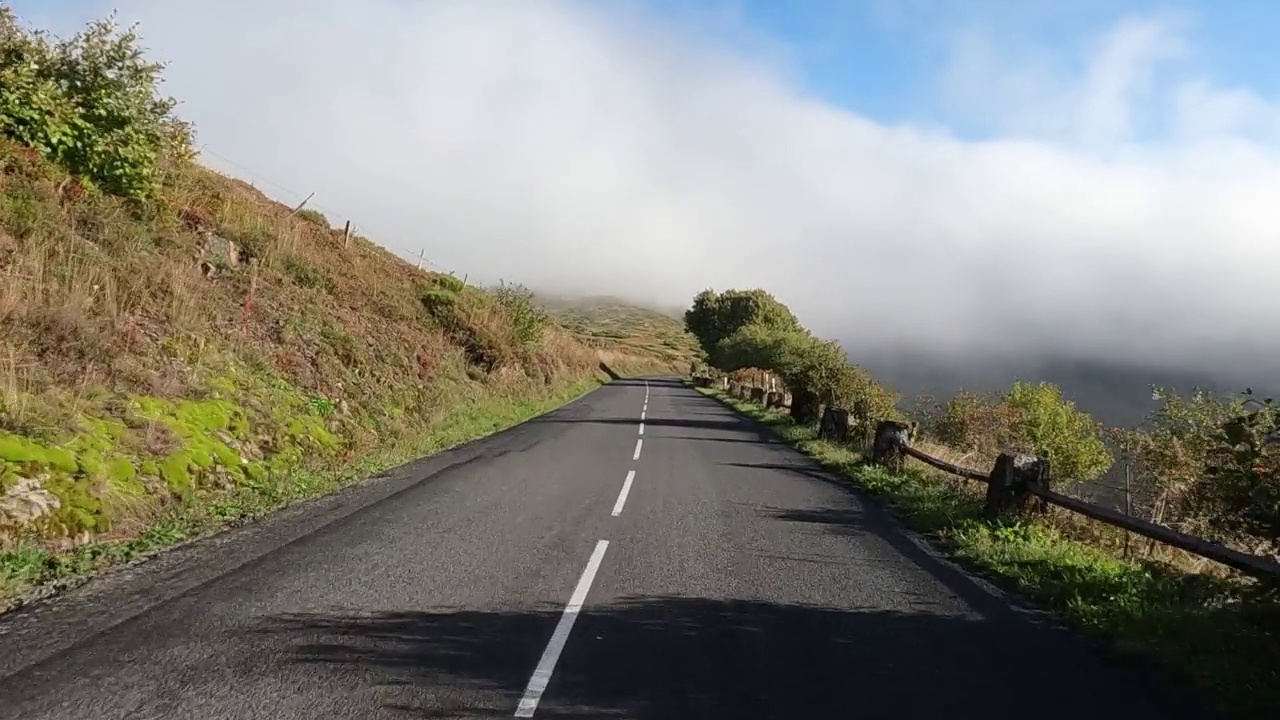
<point x="90" y="103"/>
<point x="715" y="316"/>
<point x="758" y="346"/>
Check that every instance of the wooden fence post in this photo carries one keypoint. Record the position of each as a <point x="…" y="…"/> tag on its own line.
<point x="805" y="406"/>
<point x="834" y="425"/>
<point x="1011" y="482"/>
<point x="891" y="437"/>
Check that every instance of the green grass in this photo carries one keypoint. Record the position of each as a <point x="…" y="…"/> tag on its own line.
<point x="1215" y="633"/>
<point x="34" y="570"/>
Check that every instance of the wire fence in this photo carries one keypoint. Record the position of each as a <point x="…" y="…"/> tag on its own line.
<point x="294" y="198"/>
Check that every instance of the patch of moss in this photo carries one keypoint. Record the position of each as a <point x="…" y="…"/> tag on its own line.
<point x="122" y="476"/>
<point x="14" y="449"/>
<point x="176" y="474"/>
<point x="79" y="509"/>
<point x="61" y="460"/>
<point x="9" y="477"/>
<point x="255" y="472"/>
<point x="91" y="463"/>
<point x="200" y="456"/>
<point x="226" y="456"/>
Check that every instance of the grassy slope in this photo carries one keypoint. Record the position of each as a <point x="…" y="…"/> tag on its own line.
<point x="1191" y="624"/>
<point x="146" y="399"/>
<point x="616" y="327"/>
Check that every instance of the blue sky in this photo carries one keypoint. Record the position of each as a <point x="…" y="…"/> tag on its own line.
<point x="884" y="58"/>
<point x="1093" y="177"/>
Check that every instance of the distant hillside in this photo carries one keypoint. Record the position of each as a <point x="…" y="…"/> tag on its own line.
<point x="1117" y="394"/>
<point x="614" y="324"/>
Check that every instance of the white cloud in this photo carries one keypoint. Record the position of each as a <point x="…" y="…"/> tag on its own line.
<point x="1097" y="95"/>
<point x="559" y="145"/>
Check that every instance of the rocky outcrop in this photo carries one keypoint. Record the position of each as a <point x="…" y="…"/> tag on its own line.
<point x="23" y="502"/>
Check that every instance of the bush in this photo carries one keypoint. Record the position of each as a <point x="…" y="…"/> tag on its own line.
<point x="1030" y="418"/>
<point x="1068" y="437"/>
<point x="1171" y="450"/>
<point x="527" y="318"/>
<point x="857" y="390"/>
<point x="982" y="424"/>
<point x="315" y="217"/>
<point x="90" y="103"/>
<point x="476" y="320"/>
<point x="1242" y="482"/>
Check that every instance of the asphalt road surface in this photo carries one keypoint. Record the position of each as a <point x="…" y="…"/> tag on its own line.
<point x="641" y="553"/>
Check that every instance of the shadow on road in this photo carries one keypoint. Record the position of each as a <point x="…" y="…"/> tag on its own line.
<point x="662" y="658"/>
<point x="705" y="438"/>
<point x="724" y="424"/>
<point x="858" y="515"/>
<point x="609" y="371"/>
<point x="653" y="383"/>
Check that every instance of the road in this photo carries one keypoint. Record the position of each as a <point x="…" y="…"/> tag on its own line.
<point x="515" y="577"/>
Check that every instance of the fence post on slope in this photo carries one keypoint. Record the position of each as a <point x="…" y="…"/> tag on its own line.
<point x="346" y="236"/>
<point x="1009" y="488"/>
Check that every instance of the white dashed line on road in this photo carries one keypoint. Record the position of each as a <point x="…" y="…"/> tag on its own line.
<point x="622" y="496"/>
<point x="642" y="427"/>
<point x="547" y="665"/>
<point x="639" y="444"/>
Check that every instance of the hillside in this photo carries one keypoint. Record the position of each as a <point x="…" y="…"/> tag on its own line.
<point x="614" y="325"/>
<point x="172" y="364"/>
<point x="1114" y="393"/>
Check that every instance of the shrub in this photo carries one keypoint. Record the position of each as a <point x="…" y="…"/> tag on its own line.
<point x="1030" y="418"/>
<point x="90" y="103"/>
<point x="1068" y="437"/>
<point x="1242" y="481"/>
<point x="470" y="318"/>
<point x="1171" y="450"/>
<point x="527" y="319"/>
<point x="980" y="423"/>
<point x="857" y="390"/>
<point x="315" y="217"/>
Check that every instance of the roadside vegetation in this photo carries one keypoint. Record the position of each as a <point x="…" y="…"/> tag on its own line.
<point x="179" y="352"/>
<point x="1201" y="463"/>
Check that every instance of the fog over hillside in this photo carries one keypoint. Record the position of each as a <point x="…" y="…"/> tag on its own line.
<point x="605" y="148"/>
<point x="1114" y="393"/>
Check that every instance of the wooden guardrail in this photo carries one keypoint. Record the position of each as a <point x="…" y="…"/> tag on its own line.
<point x="1017" y="483"/>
